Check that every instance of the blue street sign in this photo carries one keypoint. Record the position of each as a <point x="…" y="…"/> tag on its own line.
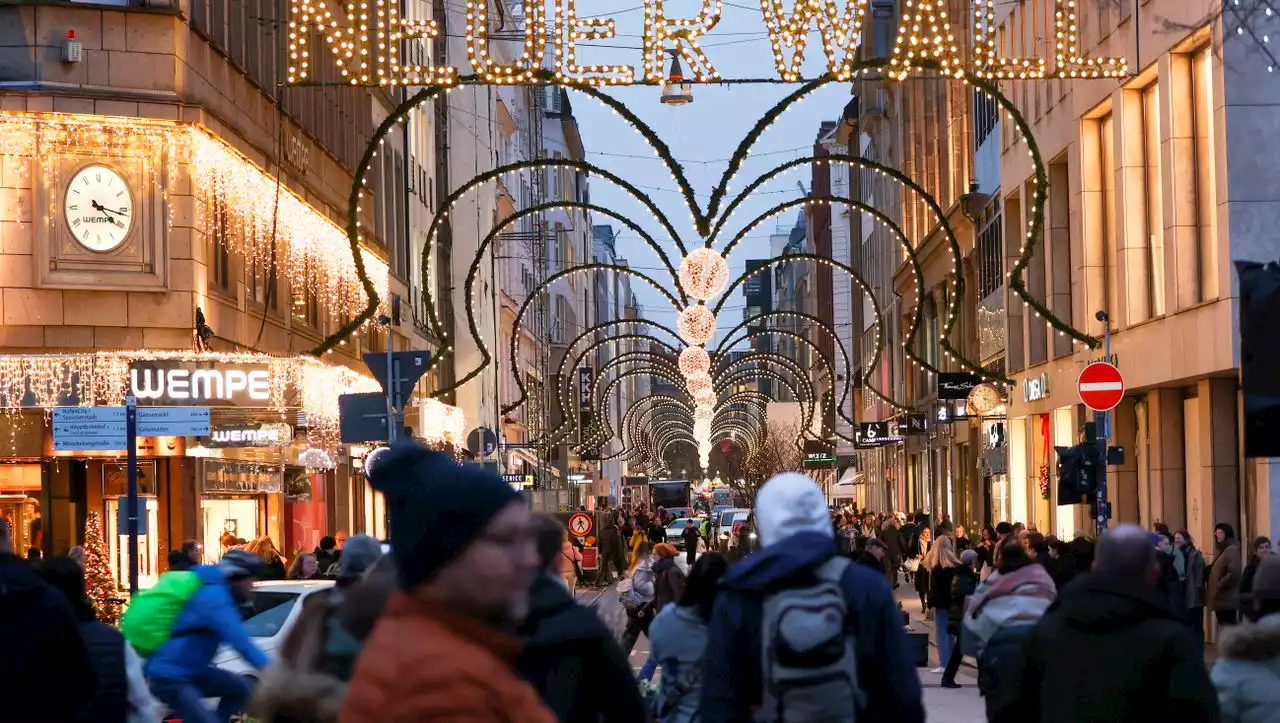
<point x="362" y="417"/>
<point x="85" y="429"/>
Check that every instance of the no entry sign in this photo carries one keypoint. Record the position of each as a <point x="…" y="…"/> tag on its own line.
<point x="1101" y="386"/>
<point x="580" y="524"/>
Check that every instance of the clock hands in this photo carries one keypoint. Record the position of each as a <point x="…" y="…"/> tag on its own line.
<point x="112" y="214"/>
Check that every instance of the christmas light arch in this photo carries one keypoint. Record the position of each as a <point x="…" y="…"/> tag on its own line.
<point x="566" y="390"/>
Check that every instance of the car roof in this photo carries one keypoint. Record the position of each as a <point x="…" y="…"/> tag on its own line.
<point x="298" y="587"/>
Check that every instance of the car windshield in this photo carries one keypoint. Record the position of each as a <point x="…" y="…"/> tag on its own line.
<point x="679" y="524"/>
<point x="268" y="612"/>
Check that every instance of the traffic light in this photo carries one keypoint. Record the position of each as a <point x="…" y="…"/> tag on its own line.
<point x="1079" y="468"/>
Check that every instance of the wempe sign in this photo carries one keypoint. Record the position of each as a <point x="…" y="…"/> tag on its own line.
<point x="201" y="384"/>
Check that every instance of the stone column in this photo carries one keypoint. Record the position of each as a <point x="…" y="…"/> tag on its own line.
<point x="1213" y="489"/>
<point x="1166" y="463"/>
<point x="1122" y="480"/>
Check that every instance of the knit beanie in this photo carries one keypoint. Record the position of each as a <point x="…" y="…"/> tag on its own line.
<point x="435" y="508"/>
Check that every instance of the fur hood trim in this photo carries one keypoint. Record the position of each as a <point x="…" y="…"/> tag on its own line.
<point x="1258" y="641"/>
<point x="291" y="694"/>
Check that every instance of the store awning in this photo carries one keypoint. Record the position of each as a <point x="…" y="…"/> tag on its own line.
<point x="847" y="485"/>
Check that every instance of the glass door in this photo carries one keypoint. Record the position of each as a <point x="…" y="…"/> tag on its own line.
<point x="228" y="522"/>
<point x="118" y="544"/>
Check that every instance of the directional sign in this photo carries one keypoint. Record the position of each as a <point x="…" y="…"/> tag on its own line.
<point x="84" y="429"/>
<point x="407" y="367"/>
<point x="482" y="442"/>
<point x="362" y="417"/>
<point x="1101" y="386"/>
<point x="580" y="524"/>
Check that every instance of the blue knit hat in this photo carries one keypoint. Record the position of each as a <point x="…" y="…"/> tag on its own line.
<point x="435" y="508"/>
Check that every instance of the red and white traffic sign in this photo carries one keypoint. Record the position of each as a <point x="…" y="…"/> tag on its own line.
<point x="580" y="524"/>
<point x="1101" y="386"/>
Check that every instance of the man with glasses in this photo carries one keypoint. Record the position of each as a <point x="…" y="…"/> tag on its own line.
<point x="465" y="548"/>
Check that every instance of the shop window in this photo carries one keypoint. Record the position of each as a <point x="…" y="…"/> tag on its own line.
<point x="305" y="304"/>
<point x="219" y="242"/>
<point x="265" y="289"/>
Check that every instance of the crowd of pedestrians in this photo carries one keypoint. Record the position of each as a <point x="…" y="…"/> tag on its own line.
<point x="472" y="617"/>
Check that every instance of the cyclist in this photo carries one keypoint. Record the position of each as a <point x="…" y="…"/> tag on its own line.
<point x="180" y="672"/>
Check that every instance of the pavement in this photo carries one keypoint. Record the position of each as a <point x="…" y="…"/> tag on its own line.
<point x="961" y="705"/>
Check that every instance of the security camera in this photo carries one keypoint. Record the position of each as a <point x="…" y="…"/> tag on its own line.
<point x="1100" y="316"/>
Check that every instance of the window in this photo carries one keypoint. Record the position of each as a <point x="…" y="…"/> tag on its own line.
<point x="219" y="240"/>
<point x="985" y="115"/>
<point x="1153" y="213"/>
<point x="990" y="253"/>
<point x="883" y="28"/>
<point x="306" y="307"/>
<point x="264" y="289"/>
<point x="1201" y="67"/>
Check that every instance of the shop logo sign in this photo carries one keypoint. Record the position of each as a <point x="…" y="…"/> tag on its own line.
<point x="1035" y="388"/>
<point x="274" y="434"/>
<point x="180" y="384"/>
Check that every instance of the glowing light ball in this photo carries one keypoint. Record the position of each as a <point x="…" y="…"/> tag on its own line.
<point x="702" y="413"/>
<point x="704" y="273"/>
<point x="696" y="325"/>
<point x="694" y="360"/>
<point x="699" y="385"/>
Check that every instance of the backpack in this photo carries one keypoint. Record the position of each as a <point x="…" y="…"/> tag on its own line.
<point x="148" y="622"/>
<point x="810" y="665"/>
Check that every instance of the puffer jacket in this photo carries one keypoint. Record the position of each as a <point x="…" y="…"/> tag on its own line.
<point x="1224" y="578"/>
<point x="1019" y="597"/>
<point x="1247" y="674"/>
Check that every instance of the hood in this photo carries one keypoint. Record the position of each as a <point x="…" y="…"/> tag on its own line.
<point x="663" y="565"/>
<point x="788" y="504"/>
<point x="1097" y="603"/>
<point x="1032" y="580"/>
<point x="18" y="579"/>
<point x="285" y="692"/>
<point x="780" y="561"/>
<point x="555" y="617"/>
<point x="1258" y="641"/>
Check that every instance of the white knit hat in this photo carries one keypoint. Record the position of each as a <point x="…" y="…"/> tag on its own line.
<point x="790" y="503"/>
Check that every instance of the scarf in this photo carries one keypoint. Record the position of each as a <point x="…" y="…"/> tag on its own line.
<point x="1180" y="562"/>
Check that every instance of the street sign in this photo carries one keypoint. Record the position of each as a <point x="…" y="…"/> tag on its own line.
<point x="482" y="442"/>
<point x="580" y="524"/>
<point x="406" y="366"/>
<point x="84" y="429"/>
<point x="122" y="517"/>
<point x="362" y="417"/>
<point x="590" y="558"/>
<point x="1101" y="386"/>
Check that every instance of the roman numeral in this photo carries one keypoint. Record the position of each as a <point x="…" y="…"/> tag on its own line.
<point x="76" y="222"/>
<point x="97" y="177"/>
<point x="74" y="208"/>
<point x="121" y="193"/>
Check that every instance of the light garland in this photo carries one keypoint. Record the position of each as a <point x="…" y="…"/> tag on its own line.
<point x="693" y="361"/>
<point x="704" y="273"/>
<point x="924" y="33"/>
<point x="1069" y="63"/>
<point x="370" y="58"/>
<point x="696" y="325"/>
<point x="440" y="423"/>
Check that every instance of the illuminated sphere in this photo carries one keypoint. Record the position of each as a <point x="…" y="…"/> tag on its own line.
<point x="704" y="396"/>
<point x="694" y="360"/>
<point x="699" y="385"/>
<point x="696" y="325"/>
<point x="703" y="413"/>
<point x="704" y="273"/>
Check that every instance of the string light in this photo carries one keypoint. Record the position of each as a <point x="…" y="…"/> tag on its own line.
<point x="837" y="30"/>
<point x="365" y="46"/>
<point x="1069" y="63"/>
<point x="696" y="325"/>
<point x="569" y="29"/>
<point x="694" y="360"/>
<point x="925" y="36"/>
<point x="704" y="273"/>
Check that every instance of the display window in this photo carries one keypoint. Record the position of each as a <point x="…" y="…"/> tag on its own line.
<point x="20" y="504"/>
<point x="118" y="543"/>
<point x="229" y="522"/>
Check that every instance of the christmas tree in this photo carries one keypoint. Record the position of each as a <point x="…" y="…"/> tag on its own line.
<point x="99" y="585"/>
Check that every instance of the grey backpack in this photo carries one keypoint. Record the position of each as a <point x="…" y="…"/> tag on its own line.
<point x="810" y="670"/>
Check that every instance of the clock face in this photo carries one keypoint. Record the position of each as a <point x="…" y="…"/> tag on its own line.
<point x="99" y="208"/>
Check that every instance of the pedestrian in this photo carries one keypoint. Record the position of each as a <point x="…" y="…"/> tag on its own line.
<point x="945" y="526"/>
<point x="570" y="655"/>
<point x="657" y="533"/>
<point x="77" y="553"/>
<point x="909" y="534"/>
<point x="273" y="566"/>
<point x="891" y="536"/>
<point x="1247" y="672"/>
<point x="307" y="681"/>
<point x="797" y="571"/>
<point x="1001" y="614"/>
<point x="637" y="538"/>
<point x="1110" y="650"/>
<point x="636" y="595"/>
<point x="1224" y="576"/>
<point x="122" y="694"/>
<point x="327" y="555"/>
<point x="941" y="563"/>
<point x="181" y="670"/>
<point x="678" y="642"/>
<point x="919" y="552"/>
<point x="304" y="567"/>
<point x="873" y="556"/>
<point x="691" y="537"/>
<point x="1168" y="582"/>
<point x="962" y="539"/>
<point x="41" y="637"/>
<point x="1060" y="563"/>
<point x="963" y="584"/>
<point x="1189" y="563"/>
<point x="668" y="579"/>
<point x="748" y="540"/>
<point x="1261" y="551"/>
<point x="611" y="550"/>
<point x="570" y="561"/>
<point x="465" y="549"/>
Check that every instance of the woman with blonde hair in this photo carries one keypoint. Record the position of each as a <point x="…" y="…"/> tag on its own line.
<point x="272" y="561"/>
<point x="304" y="567"/>
<point x="941" y="562"/>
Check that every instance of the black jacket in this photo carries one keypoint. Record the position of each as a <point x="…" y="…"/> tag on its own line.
<point x="940" y="587"/>
<point x="668" y="583"/>
<point x="963" y="582"/>
<point x="37" y="620"/>
<point x="572" y="659"/>
<point x="105" y="646"/>
<point x="1111" y="649"/>
<point x="892" y="539"/>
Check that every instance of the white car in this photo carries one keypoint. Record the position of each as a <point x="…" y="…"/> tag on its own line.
<point x="277" y="604"/>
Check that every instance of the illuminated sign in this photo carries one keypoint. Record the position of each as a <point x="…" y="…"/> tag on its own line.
<point x="372" y="46"/>
<point x="271" y="434"/>
<point x="179" y="383"/>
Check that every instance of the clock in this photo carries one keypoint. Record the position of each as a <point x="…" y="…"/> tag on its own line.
<point x="98" y="208"/>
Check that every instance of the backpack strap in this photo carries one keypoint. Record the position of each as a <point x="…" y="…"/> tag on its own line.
<point x="833" y="569"/>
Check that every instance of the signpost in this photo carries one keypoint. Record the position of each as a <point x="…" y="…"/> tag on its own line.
<point x="118" y="428"/>
<point x="398" y="372"/>
<point x="1101" y="387"/>
<point x="482" y="442"/>
<point x="580" y="524"/>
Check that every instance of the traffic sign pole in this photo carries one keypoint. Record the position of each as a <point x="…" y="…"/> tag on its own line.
<point x="392" y="419"/>
<point x="131" y="446"/>
<point x="1103" y="420"/>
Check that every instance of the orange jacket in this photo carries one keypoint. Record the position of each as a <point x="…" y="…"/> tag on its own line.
<point x="427" y="663"/>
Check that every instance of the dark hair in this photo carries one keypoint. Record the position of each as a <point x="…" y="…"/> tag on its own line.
<point x="1010" y="557"/>
<point x="1228" y="532"/>
<point x="1186" y="536"/>
<point x="1165" y="534"/>
<point x="34" y="553"/>
<point x="703" y="584"/>
<point x="1004" y="528"/>
<point x="328" y="543"/>
<point x="549" y="540"/>
<point x="1161" y="527"/>
<point x="1259" y="541"/>
<point x="877" y="543"/>
<point x="179" y="560"/>
<point x="67" y="577"/>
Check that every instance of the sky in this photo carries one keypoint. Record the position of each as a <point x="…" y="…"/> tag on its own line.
<point x="702" y="135"/>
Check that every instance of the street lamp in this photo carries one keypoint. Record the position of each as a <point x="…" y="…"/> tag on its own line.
<point x="675" y="91"/>
<point x="972" y="203"/>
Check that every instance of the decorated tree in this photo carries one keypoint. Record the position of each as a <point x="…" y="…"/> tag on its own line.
<point x="776" y="453"/>
<point x="100" y="585"/>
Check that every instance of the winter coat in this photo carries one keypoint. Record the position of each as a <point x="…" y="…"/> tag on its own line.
<point x="572" y="659"/>
<point x="37" y="620"/>
<point x="964" y="582"/>
<point x="276" y="570"/>
<point x="732" y="674"/>
<point x="642" y="584"/>
<point x="1224" y="578"/>
<point x="668" y="583"/>
<point x="1111" y="650"/>
<point x="1247" y="674"/>
<point x="1019" y="597"/>
<point x="678" y="642"/>
<point x="326" y="559"/>
<point x="909" y="535"/>
<point x="940" y="579"/>
<point x="209" y="619"/>
<point x="891" y="536"/>
<point x="569" y="555"/>
<point x="1194" y="581"/>
<point x="1171" y="588"/>
<point x="425" y="661"/>
<point x="105" y="646"/>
